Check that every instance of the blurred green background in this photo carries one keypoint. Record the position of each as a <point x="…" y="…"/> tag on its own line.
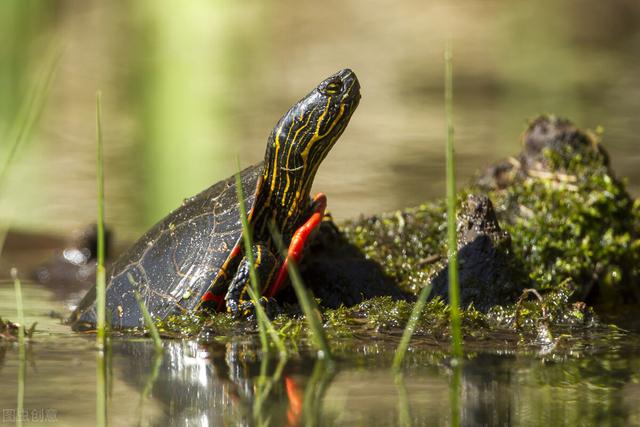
<point x="189" y="86"/>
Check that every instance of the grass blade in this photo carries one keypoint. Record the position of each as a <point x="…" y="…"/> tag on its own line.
<point x="254" y="289"/>
<point x="153" y="331"/>
<point x="308" y="304"/>
<point x="29" y="112"/>
<point x="100" y="270"/>
<point x="263" y="319"/>
<point x="411" y="327"/>
<point x="148" y="387"/>
<point x="101" y="388"/>
<point x="101" y="369"/>
<point x="314" y="391"/>
<point x="263" y="389"/>
<point x="21" y="347"/>
<point x="454" y="289"/>
<point x="455" y="392"/>
<point x="264" y="324"/>
<point x="454" y="293"/>
<point x="452" y="243"/>
<point x="28" y="115"/>
<point x="404" y="410"/>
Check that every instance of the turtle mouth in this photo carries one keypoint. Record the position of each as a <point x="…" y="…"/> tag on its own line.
<point x="351" y="95"/>
<point x="350" y="80"/>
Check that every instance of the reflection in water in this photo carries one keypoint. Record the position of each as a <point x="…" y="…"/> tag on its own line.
<point x="186" y="382"/>
<point x="208" y="384"/>
<point x="102" y="381"/>
<point x="404" y="411"/>
<point x="591" y="383"/>
<point x="213" y="384"/>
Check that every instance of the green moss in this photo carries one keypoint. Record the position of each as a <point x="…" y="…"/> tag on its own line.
<point x="577" y="223"/>
<point x="534" y="312"/>
<point x="530" y="319"/>
<point x="407" y="244"/>
<point x="190" y="324"/>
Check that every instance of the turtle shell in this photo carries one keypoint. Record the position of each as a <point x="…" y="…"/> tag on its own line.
<point x="174" y="264"/>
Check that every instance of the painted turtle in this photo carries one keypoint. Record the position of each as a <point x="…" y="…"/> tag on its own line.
<point x="194" y="256"/>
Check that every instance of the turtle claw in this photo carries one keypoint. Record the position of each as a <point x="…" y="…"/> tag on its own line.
<point x="246" y="309"/>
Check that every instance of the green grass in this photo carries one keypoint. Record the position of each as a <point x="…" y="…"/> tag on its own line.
<point x="455" y="392"/>
<point x="101" y="388"/>
<point x="264" y="324"/>
<point x="264" y="386"/>
<point x="28" y="113"/>
<point x="101" y="370"/>
<point x="410" y="328"/>
<point x="148" y="387"/>
<point x="308" y="304"/>
<point x="21" y="346"/>
<point x="153" y="331"/>
<point x="100" y="270"/>
<point x="454" y="290"/>
<point x="404" y="410"/>
<point x="323" y="372"/>
<point x="179" y="100"/>
<point x="452" y="242"/>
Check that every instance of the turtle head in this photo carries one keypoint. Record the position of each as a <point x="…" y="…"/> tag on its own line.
<point x="305" y="134"/>
<point x="298" y="144"/>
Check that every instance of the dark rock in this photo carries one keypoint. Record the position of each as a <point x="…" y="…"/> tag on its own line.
<point x="487" y="269"/>
<point x="338" y="273"/>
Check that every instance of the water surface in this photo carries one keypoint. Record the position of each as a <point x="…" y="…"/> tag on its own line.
<point x="590" y="379"/>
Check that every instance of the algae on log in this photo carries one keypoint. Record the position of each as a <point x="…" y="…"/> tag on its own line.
<point x="571" y="222"/>
<point x="569" y="217"/>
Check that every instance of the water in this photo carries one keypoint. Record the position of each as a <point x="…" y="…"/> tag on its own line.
<point x="588" y="379"/>
<point x="184" y="94"/>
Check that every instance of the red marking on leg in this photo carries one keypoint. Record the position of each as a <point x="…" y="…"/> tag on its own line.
<point x="218" y="300"/>
<point x="295" y="402"/>
<point x="298" y="241"/>
<point x="235" y="251"/>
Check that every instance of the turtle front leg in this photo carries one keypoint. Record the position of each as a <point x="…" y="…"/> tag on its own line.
<point x="237" y="299"/>
<point x="298" y="241"/>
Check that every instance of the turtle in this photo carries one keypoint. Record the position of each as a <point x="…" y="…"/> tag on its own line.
<point x="194" y="257"/>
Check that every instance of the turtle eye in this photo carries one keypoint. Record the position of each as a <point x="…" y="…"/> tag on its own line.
<point x="332" y="87"/>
